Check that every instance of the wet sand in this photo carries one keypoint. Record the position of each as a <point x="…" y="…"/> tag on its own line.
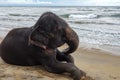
<point x="97" y="63"/>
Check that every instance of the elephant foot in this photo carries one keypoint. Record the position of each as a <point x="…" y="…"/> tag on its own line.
<point x="78" y="75"/>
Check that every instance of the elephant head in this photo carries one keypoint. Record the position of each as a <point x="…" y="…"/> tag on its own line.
<point x="52" y="31"/>
<point x="44" y="29"/>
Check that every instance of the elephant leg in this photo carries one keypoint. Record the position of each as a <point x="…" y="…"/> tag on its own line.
<point x="63" y="57"/>
<point x="55" y="66"/>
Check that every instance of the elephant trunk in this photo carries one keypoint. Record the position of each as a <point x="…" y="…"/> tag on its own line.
<point x="72" y="39"/>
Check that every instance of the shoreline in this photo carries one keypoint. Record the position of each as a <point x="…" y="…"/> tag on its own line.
<point x="108" y="49"/>
<point x="97" y="63"/>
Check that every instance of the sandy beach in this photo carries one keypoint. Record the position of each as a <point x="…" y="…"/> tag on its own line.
<point x="97" y="63"/>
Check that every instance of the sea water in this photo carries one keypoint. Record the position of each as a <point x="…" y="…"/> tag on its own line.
<point x="94" y="25"/>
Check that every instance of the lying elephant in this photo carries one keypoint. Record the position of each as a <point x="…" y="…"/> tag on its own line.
<point x="38" y="45"/>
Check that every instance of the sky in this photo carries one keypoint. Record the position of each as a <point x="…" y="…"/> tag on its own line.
<point x="62" y="2"/>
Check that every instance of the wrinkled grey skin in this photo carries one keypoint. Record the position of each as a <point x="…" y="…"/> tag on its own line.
<point x="38" y="46"/>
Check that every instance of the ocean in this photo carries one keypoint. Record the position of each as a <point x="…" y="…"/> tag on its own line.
<point x="94" y="25"/>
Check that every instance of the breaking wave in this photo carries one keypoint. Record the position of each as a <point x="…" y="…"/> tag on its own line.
<point x="86" y="16"/>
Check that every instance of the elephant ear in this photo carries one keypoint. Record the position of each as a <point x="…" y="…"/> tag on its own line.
<point x="72" y="39"/>
<point x="36" y="38"/>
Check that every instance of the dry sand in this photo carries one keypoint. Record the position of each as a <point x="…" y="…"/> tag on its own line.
<point x="96" y="63"/>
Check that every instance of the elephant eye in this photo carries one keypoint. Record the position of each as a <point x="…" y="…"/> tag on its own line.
<point x="46" y="34"/>
<point x="50" y="34"/>
<point x="41" y="31"/>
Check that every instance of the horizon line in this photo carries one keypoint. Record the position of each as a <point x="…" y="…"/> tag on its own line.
<point x="39" y="5"/>
<point x="55" y="6"/>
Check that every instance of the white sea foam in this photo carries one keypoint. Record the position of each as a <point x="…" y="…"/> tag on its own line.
<point x="3" y="14"/>
<point x="4" y="29"/>
<point x="86" y="16"/>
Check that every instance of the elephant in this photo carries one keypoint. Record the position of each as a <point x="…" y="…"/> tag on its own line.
<point x="38" y="45"/>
